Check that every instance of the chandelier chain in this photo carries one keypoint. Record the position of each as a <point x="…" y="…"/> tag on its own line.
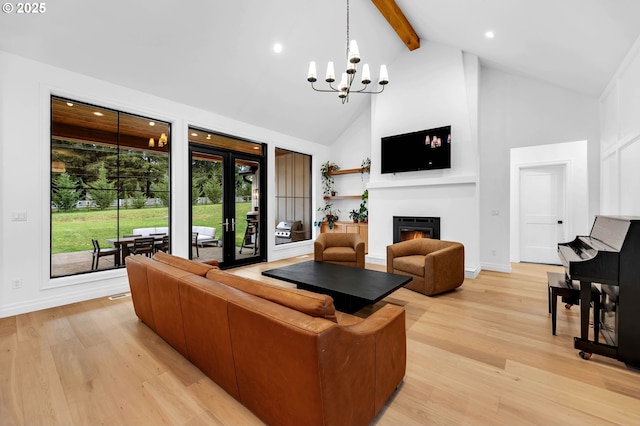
<point x="347" y="30"/>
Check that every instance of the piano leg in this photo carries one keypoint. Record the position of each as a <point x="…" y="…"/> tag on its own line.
<point x="585" y="304"/>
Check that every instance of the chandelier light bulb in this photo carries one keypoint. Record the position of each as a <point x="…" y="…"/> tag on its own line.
<point x="331" y="74"/>
<point x="344" y="85"/>
<point x="384" y="75"/>
<point x="354" y="53"/>
<point x="152" y="143"/>
<point x="312" y="76"/>
<point x="366" y="74"/>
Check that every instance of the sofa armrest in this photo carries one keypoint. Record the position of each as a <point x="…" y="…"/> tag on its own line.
<point x="378" y="320"/>
<point x="387" y="325"/>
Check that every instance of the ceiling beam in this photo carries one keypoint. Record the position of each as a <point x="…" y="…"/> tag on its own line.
<point x="394" y="16"/>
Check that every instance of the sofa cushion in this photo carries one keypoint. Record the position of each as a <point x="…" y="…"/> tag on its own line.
<point x="413" y="264"/>
<point x="145" y="232"/>
<point x="339" y="254"/>
<point x="184" y="264"/>
<point x="313" y="304"/>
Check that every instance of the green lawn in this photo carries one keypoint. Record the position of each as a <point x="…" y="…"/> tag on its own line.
<point x="73" y="231"/>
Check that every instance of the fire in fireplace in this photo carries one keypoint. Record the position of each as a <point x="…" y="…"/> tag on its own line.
<point x="413" y="227"/>
<point x="412" y="234"/>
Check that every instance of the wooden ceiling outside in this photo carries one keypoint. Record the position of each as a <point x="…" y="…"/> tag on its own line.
<point x="79" y="123"/>
<point x="225" y="142"/>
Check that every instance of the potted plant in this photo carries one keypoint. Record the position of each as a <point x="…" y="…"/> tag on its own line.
<point x="327" y="179"/>
<point x="330" y="215"/>
<point x="365" y="167"/>
<point x="355" y="215"/>
<point x="363" y="213"/>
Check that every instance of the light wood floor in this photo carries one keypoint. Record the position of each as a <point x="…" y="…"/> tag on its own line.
<point x="482" y="355"/>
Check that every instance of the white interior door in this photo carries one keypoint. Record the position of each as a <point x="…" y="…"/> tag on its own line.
<point x="542" y="215"/>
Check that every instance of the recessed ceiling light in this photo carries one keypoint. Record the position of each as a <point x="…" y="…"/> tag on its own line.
<point x="194" y="134"/>
<point x="70" y="104"/>
<point x="151" y="123"/>
<point x="489" y="34"/>
<point x="99" y="114"/>
<point x="277" y="47"/>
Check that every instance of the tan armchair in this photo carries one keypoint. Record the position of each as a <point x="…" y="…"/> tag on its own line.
<point x="340" y="248"/>
<point x="436" y="266"/>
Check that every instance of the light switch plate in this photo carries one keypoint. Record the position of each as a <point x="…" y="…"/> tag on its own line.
<point x="18" y="216"/>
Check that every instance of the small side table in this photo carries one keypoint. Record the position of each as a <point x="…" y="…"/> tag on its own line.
<point x="559" y="286"/>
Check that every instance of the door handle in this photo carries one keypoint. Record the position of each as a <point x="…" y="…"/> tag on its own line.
<point x="233" y="224"/>
<point x="226" y="225"/>
<point x="559" y="222"/>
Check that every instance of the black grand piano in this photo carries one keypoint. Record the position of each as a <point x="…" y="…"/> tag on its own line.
<point x="610" y="255"/>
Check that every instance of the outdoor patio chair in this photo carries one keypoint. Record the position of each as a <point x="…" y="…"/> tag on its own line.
<point x="144" y="245"/>
<point x="100" y="252"/>
<point x="194" y="243"/>
<point x="158" y="243"/>
<point x="163" y="245"/>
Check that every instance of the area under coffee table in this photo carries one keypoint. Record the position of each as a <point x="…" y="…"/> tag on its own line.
<point x="351" y="288"/>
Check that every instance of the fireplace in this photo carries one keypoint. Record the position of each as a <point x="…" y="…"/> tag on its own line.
<point x="412" y="227"/>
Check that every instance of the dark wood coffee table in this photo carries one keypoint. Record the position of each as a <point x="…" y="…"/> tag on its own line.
<point x="351" y="288"/>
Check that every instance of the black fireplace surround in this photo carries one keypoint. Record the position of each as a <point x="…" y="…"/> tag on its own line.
<point x="411" y="227"/>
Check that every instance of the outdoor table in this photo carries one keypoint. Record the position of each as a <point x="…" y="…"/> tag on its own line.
<point x="123" y="244"/>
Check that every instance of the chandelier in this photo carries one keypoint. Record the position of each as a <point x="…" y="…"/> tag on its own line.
<point x="349" y="75"/>
<point x="162" y="141"/>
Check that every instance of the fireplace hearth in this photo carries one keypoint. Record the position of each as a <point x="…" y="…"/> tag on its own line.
<point x="413" y="227"/>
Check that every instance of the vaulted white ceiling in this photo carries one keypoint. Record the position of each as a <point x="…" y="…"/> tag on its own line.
<point x="217" y="55"/>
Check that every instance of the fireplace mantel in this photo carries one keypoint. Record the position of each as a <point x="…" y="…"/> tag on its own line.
<point x="453" y="180"/>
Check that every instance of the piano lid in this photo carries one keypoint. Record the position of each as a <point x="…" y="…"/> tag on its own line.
<point x="611" y="230"/>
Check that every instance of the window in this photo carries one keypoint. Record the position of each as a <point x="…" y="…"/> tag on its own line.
<point x="109" y="178"/>
<point x="293" y="196"/>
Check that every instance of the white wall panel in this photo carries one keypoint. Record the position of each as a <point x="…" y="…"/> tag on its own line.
<point x="620" y="141"/>
<point x="609" y="185"/>
<point x="609" y="117"/>
<point x="630" y="179"/>
<point x="629" y="92"/>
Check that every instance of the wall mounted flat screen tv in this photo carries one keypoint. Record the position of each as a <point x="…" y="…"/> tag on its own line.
<point x="423" y="150"/>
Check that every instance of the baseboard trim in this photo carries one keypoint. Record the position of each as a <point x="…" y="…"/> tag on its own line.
<point x="497" y="267"/>
<point x="472" y="273"/>
<point x="64" y="299"/>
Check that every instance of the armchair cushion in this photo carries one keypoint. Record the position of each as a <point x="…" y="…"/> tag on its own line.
<point x="414" y="264"/>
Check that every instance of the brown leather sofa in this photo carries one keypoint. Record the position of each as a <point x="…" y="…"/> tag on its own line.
<point x="285" y="354"/>
<point x="436" y="266"/>
<point x="339" y="247"/>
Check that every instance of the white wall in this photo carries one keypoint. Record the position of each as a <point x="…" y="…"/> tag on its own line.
<point x="26" y="86"/>
<point x="520" y="112"/>
<point x="620" y="141"/>
<point x="433" y="86"/>
<point x="348" y="151"/>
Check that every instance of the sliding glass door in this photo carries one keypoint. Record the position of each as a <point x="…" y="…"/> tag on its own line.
<point x="226" y="203"/>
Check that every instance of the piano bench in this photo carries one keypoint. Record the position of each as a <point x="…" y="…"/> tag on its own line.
<point x="560" y="287"/>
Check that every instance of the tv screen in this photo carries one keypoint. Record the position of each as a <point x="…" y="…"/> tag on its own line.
<point x="423" y="150"/>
